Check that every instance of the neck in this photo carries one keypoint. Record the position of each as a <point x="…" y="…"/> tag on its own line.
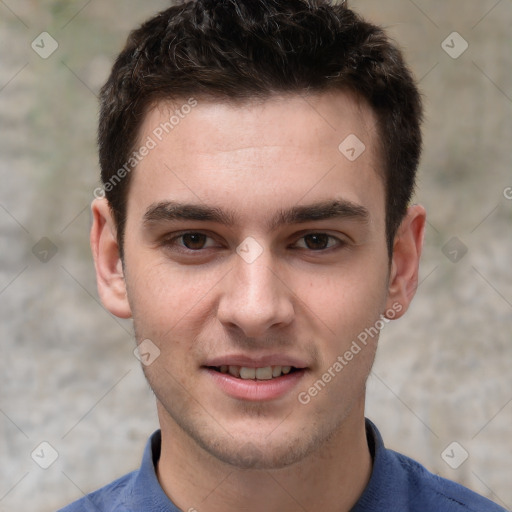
<point x="331" y="479"/>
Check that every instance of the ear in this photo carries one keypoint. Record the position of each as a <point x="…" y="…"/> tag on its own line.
<point x="403" y="278"/>
<point x="108" y="264"/>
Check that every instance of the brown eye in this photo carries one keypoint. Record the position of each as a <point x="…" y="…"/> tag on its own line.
<point x="317" y="241"/>
<point x="194" y="241"/>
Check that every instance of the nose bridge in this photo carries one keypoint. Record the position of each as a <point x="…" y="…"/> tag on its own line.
<point x="255" y="299"/>
<point x="258" y="279"/>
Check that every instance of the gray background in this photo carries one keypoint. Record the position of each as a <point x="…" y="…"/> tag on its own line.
<point x="68" y="375"/>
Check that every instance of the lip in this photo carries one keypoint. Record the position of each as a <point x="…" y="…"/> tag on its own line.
<point x="257" y="362"/>
<point x="255" y="390"/>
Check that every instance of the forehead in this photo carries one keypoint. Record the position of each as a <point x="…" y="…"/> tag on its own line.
<point x="260" y="154"/>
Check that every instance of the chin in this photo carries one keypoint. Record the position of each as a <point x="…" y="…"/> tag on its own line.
<point x="268" y="456"/>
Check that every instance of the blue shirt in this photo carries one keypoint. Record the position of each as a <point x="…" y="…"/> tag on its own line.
<point x="397" y="484"/>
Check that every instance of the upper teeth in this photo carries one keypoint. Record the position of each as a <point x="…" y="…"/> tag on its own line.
<point x="265" y="373"/>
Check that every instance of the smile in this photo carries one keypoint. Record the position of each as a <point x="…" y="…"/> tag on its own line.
<point x="248" y="373"/>
<point x="249" y="383"/>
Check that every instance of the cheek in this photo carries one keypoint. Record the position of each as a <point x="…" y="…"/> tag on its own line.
<point x="342" y="313"/>
<point x="346" y="299"/>
<point x="162" y="297"/>
<point x="168" y="308"/>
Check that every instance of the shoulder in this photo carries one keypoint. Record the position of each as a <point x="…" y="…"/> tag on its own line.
<point x="138" y="490"/>
<point x="432" y="492"/>
<point x="403" y="484"/>
<point x="111" y="498"/>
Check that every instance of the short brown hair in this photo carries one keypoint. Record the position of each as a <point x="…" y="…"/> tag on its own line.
<point x="229" y="50"/>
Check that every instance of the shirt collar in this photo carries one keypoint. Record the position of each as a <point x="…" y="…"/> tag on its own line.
<point x="147" y="494"/>
<point x="387" y="475"/>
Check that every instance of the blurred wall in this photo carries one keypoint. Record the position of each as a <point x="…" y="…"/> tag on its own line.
<point x="68" y="375"/>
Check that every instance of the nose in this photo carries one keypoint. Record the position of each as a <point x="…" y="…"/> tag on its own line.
<point x="255" y="298"/>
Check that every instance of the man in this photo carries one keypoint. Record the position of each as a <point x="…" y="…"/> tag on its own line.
<point x="258" y="159"/>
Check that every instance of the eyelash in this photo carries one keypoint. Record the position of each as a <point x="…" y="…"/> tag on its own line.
<point x="169" y="242"/>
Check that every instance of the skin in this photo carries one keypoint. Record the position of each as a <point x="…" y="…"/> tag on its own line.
<point x="307" y="298"/>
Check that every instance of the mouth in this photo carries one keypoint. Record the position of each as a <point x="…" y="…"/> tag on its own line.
<point x="250" y="373"/>
<point x="253" y="381"/>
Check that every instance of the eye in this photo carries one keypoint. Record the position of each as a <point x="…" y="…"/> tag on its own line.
<point x="191" y="240"/>
<point x="319" y="241"/>
<point x="194" y="240"/>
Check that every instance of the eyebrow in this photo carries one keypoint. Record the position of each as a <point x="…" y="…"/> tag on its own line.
<point x="324" y="210"/>
<point x="167" y="211"/>
<point x="172" y="210"/>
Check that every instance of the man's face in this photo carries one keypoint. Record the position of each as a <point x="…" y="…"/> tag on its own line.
<point x="268" y="289"/>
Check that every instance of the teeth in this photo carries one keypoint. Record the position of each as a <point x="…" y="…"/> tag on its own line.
<point x="264" y="373"/>
<point x="234" y="370"/>
<point x="246" y="373"/>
